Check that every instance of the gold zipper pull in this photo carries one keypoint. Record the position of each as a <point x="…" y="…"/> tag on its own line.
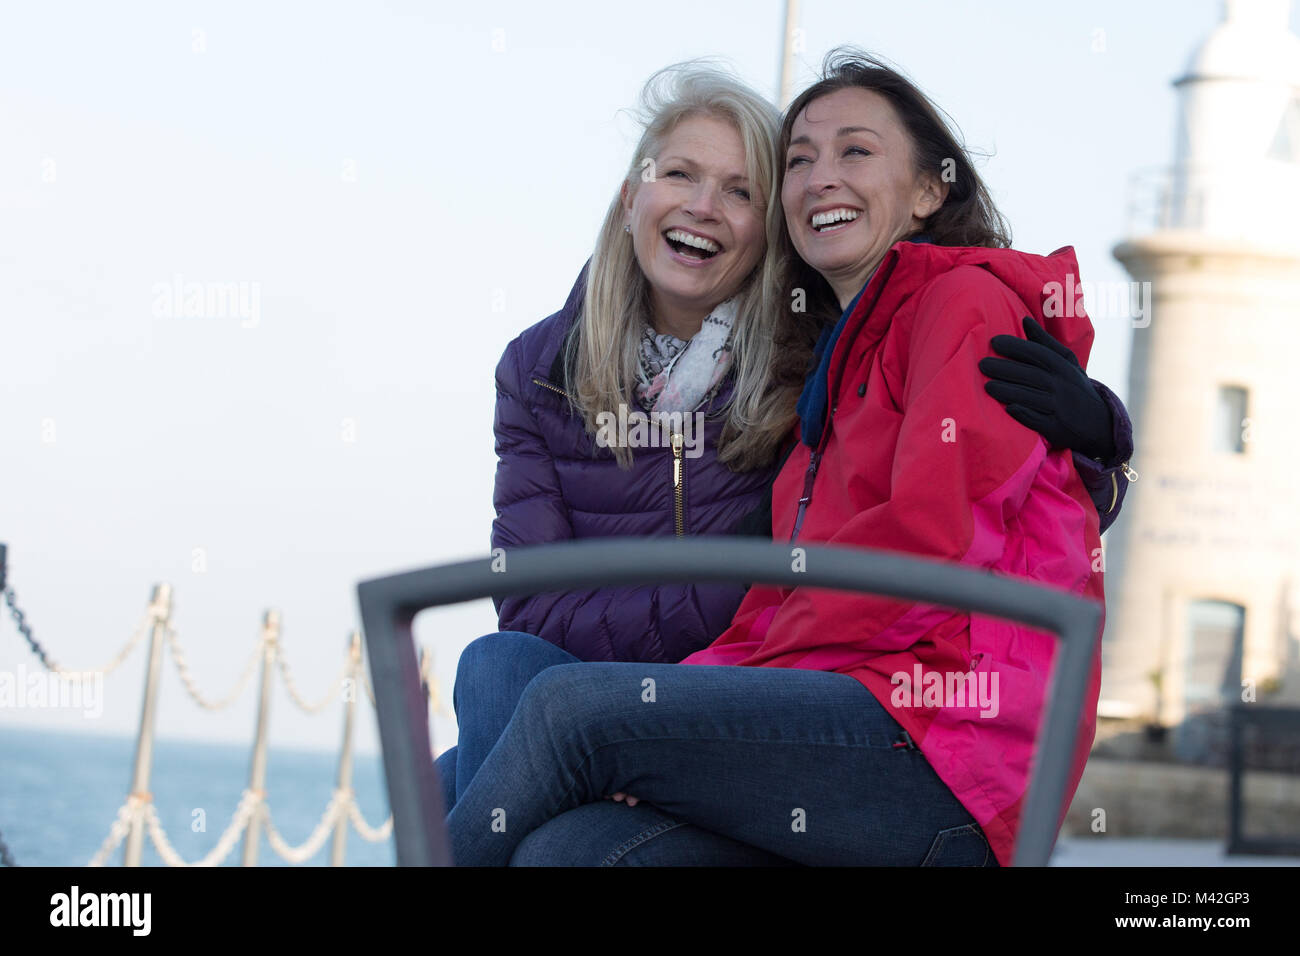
<point x="1129" y="473"/>
<point x="552" y="387"/>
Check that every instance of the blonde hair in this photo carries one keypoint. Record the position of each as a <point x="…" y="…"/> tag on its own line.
<point x="616" y="305"/>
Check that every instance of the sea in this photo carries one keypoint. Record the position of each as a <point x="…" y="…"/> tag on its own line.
<point x="60" y="793"/>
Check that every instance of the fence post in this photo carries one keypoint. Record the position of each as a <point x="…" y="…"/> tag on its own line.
<point x="339" y="846"/>
<point x="427" y="685"/>
<point x="161" y="605"/>
<point x="257" y="772"/>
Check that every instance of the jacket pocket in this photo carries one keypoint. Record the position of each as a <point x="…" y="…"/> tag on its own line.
<point x="959" y="846"/>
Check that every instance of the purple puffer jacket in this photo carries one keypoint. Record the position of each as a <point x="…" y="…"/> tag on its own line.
<point x="554" y="483"/>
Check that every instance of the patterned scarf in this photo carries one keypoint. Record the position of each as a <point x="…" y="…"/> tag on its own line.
<point x="675" y="374"/>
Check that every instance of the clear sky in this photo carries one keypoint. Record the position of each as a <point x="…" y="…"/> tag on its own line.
<point x="406" y="187"/>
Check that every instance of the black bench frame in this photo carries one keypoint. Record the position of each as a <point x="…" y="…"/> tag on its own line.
<point x="389" y="606"/>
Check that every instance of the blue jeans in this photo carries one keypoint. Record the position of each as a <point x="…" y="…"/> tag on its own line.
<point x="738" y="765"/>
<point x="490" y="678"/>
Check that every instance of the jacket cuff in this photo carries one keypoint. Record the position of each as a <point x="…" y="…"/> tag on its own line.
<point x="1122" y="426"/>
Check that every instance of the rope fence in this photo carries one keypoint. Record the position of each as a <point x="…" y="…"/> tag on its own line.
<point x="191" y="688"/>
<point x="137" y="817"/>
<point x="252" y="807"/>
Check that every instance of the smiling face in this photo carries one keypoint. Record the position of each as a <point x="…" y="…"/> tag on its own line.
<point x="851" y="189"/>
<point x="696" y="226"/>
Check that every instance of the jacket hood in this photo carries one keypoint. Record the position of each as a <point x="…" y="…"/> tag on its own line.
<point x="1048" y="285"/>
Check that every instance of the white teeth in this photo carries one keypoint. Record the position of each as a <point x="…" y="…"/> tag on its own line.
<point x="699" y="242"/>
<point x="832" y="216"/>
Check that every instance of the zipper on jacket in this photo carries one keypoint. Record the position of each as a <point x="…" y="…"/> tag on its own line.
<point x="553" y="388"/>
<point x="1129" y="473"/>
<point x="679" y="485"/>
<point x="832" y="388"/>
<point x="808" y="478"/>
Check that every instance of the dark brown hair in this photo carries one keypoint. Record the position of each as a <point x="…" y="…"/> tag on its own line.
<point x="967" y="216"/>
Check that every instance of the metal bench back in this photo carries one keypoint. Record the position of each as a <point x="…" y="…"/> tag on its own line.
<point x="390" y="604"/>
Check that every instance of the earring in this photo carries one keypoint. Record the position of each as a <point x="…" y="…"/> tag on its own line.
<point x="627" y="228"/>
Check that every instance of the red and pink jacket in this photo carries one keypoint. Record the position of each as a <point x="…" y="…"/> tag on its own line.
<point x="918" y="458"/>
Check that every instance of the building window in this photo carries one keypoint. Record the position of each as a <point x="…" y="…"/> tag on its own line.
<point x="1230" y="420"/>
<point x="1212" y="672"/>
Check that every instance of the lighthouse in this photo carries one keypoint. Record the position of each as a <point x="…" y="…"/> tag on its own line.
<point x="1203" y="567"/>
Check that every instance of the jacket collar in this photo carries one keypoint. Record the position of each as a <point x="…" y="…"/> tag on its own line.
<point x="814" y="397"/>
<point x="566" y="327"/>
<point x="560" y="372"/>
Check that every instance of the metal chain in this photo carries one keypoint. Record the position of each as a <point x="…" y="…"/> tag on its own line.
<point x="6" y="858"/>
<point x="311" y="846"/>
<point x="178" y="653"/>
<point x="25" y="629"/>
<point x="330" y="693"/>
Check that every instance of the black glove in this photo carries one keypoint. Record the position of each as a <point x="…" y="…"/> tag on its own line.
<point x="1045" y="389"/>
